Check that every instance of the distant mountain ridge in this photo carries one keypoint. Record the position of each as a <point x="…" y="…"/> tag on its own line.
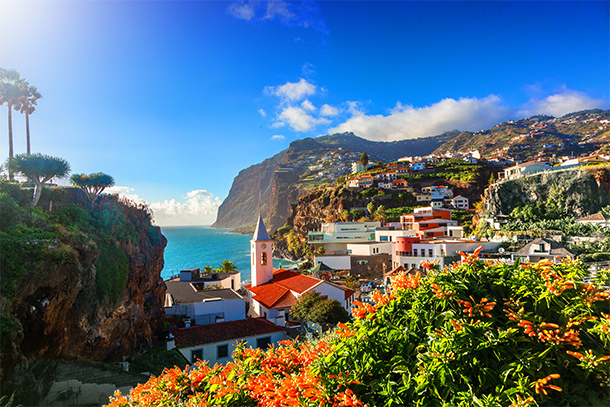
<point x="533" y="134"/>
<point x="271" y="186"/>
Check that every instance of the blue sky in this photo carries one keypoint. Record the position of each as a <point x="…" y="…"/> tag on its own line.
<point x="175" y="98"/>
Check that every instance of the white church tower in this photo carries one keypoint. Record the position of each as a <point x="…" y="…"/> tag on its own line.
<point x="261" y="267"/>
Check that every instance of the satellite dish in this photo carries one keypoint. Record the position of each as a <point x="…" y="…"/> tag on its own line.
<point x="501" y="250"/>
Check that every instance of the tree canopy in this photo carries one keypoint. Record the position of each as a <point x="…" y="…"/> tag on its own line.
<point x="364" y="159"/>
<point x="314" y="307"/>
<point x="227" y="266"/>
<point x="39" y="168"/>
<point x="93" y="184"/>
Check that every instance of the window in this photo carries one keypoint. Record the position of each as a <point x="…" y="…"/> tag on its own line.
<point x="264" y="259"/>
<point x="222" y="351"/>
<point x="430" y="252"/>
<point x="196" y="354"/>
<point x="263" y="343"/>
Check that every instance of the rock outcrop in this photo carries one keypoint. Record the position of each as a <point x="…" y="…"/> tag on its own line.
<point x="585" y="190"/>
<point x="57" y="311"/>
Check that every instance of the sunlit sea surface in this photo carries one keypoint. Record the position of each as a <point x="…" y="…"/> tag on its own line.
<point x="200" y="246"/>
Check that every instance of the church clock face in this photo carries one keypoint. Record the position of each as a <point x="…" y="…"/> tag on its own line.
<point x="264" y="246"/>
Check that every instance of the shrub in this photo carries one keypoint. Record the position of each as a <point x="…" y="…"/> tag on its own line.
<point x="112" y="270"/>
<point x="479" y="333"/>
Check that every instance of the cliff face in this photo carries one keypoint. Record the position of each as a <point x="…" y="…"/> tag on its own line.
<point x="586" y="191"/>
<point x="273" y="185"/>
<point x="57" y="308"/>
<point x="249" y="194"/>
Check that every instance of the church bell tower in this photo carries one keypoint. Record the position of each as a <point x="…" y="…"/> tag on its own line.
<point x="261" y="262"/>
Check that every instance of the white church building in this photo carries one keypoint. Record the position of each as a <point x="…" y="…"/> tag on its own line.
<point x="272" y="292"/>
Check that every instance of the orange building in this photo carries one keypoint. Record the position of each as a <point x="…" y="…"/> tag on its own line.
<point x="431" y="222"/>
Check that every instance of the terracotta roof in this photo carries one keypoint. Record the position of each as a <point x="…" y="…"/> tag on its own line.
<point x="287" y="300"/>
<point x="224" y="331"/>
<point x="294" y="281"/>
<point x="268" y="294"/>
<point x="278" y="292"/>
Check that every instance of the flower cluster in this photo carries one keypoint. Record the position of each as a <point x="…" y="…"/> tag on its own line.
<point x="472" y="308"/>
<point x="406" y="281"/>
<point x="541" y="384"/>
<point x="280" y="376"/>
<point x="548" y="332"/>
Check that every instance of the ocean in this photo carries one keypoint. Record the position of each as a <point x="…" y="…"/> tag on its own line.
<point x="200" y="246"/>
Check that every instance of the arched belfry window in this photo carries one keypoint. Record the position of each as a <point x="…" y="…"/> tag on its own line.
<point x="264" y="259"/>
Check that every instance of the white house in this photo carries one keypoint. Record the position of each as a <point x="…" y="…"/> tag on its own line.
<point x="460" y="202"/>
<point x="205" y="306"/>
<point x="224" y="280"/>
<point x="542" y="249"/>
<point x="273" y="292"/>
<point x="525" y="169"/>
<point x="216" y="343"/>
<point x="334" y="237"/>
<point x="410" y="252"/>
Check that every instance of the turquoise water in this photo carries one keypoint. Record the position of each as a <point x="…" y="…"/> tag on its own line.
<point x="200" y="246"/>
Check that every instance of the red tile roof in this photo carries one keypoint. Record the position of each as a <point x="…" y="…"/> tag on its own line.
<point x="224" y="331"/>
<point x="277" y="293"/>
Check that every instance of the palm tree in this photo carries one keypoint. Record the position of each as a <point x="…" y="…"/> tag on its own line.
<point x="227" y="266"/>
<point x="208" y="269"/>
<point x="39" y="169"/>
<point x="28" y="106"/>
<point x="12" y="89"/>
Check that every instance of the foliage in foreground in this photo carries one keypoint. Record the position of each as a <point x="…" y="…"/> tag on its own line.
<point x="480" y="333"/>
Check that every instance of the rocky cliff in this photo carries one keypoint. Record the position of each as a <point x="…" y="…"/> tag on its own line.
<point x="273" y="185"/>
<point x="586" y="191"/>
<point x="318" y="206"/>
<point x="93" y="291"/>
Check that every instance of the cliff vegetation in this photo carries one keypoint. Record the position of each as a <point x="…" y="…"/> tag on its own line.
<point x="76" y="282"/>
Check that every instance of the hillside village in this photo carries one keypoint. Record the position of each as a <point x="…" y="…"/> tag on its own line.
<point x="357" y="251"/>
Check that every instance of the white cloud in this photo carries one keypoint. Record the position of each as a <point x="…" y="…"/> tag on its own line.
<point x="198" y="207"/>
<point x="559" y="104"/>
<point x="406" y="122"/>
<point x="244" y="10"/>
<point x="307" y="69"/>
<point x="298" y="119"/>
<point x="277" y="137"/>
<point x="279" y="9"/>
<point x="292" y="14"/>
<point x="307" y="105"/>
<point x="262" y="112"/>
<point x="328" y="110"/>
<point x="292" y="91"/>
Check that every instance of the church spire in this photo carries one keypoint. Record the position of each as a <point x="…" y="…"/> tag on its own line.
<point x="261" y="249"/>
<point x="260" y="234"/>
